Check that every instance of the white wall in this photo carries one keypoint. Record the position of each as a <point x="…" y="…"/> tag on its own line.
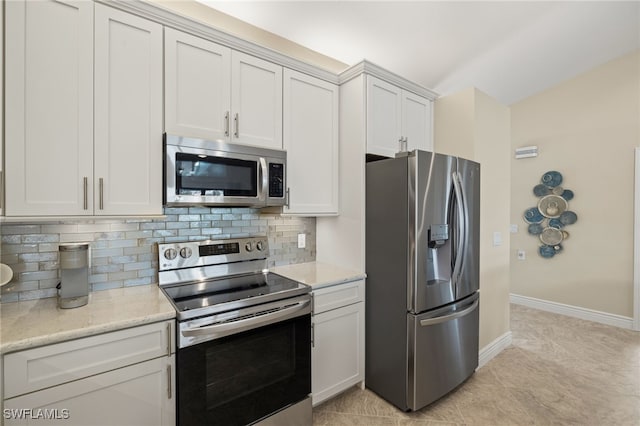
<point x="246" y="31"/>
<point x="586" y="128"/>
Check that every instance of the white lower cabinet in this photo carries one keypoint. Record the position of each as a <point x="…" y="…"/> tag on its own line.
<point x="337" y="357"/>
<point x="124" y="377"/>
<point x="140" y="394"/>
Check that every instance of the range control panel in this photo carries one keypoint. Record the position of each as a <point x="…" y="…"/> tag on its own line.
<point x="188" y="254"/>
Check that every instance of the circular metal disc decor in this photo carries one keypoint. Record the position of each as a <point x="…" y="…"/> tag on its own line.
<point x="547" y="221"/>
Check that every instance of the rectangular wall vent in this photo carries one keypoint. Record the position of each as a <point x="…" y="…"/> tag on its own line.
<point x="526" y="152"/>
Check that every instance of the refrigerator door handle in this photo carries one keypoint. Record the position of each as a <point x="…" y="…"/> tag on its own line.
<point x="461" y="225"/>
<point x="438" y="320"/>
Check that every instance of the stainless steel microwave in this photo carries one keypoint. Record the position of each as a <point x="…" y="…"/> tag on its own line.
<point x="200" y="172"/>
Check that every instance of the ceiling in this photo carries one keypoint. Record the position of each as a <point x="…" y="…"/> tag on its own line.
<point x="509" y="49"/>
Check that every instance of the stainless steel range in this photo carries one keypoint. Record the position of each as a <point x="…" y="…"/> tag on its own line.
<point x="243" y="334"/>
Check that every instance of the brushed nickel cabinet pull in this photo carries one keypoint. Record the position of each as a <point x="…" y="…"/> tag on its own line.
<point x="313" y="336"/>
<point x="101" y="180"/>
<point x="287" y="199"/>
<point x="168" y="339"/>
<point x="236" y="123"/>
<point x="85" y="189"/>
<point x="169" y="395"/>
<point x="226" y="123"/>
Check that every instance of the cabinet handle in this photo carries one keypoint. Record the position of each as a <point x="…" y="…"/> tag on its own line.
<point x="236" y="123"/>
<point x="169" y="395"/>
<point x="226" y="123"/>
<point x="287" y="198"/>
<point x="168" y="339"/>
<point x="313" y="336"/>
<point x="101" y="184"/>
<point x="85" y="189"/>
<point x="404" y="145"/>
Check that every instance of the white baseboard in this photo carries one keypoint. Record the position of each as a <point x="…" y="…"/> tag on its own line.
<point x="487" y="353"/>
<point x="574" y="311"/>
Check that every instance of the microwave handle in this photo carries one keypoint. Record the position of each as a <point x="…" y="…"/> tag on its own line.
<point x="263" y="177"/>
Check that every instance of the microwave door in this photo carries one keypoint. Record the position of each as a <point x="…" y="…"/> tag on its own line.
<point x="207" y="178"/>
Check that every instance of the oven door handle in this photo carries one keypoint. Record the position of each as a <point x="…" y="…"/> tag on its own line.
<point x="255" y="321"/>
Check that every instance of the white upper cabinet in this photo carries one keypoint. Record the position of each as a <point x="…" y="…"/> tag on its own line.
<point x="59" y="162"/>
<point x="128" y="114"/>
<point x="49" y="108"/>
<point x="397" y="120"/>
<point x="384" y="117"/>
<point x="216" y="93"/>
<point x="256" y="101"/>
<point x="416" y="120"/>
<point x="311" y="141"/>
<point x="197" y="94"/>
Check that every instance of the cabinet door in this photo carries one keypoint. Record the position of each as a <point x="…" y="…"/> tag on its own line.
<point x="311" y="141"/>
<point x="128" y="114"/>
<point x="197" y="86"/>
<point x="256" y="101"/>
<point x="1" y="124"/>
<point x="140" y="394"/>
<point x="51" y="365"/>
<point x="384" y="117"/>
<point x="338" y="351"/>
<point x="49" y="107"/>
<point x="416" y="121"/>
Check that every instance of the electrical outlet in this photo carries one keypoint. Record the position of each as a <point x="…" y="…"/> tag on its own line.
<point x="514" y="228"/>
<point x="302" y="240"/>
<point x="522" y="255"/>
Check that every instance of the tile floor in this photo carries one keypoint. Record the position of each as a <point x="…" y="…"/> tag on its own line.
<point x="558" y="371"/>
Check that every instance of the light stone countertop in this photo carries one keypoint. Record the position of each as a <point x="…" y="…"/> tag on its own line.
<point x="31" y="323"/>
<point x="318" y="274"/>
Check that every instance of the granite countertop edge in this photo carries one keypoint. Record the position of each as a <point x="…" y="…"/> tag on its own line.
<point x="318" y="274"/>
<point x="34" y="323"/>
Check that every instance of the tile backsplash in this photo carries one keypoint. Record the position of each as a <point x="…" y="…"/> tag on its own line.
<point x="124" y="252"/>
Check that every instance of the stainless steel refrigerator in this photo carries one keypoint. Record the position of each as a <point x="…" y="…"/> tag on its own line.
<point x="422" y="232"/>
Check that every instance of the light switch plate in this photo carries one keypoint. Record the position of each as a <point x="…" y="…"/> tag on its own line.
<point x="497" y="238"/>
<point x="302" y="240"/>
<point x="514" y="228"/>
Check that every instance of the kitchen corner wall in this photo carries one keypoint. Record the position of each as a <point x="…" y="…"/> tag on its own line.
<point x="586" y="128"/>
<point x="124" y="252"/>
<point x="472" y="125"/>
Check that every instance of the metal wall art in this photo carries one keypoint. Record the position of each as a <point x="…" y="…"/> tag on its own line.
<point x="551" y="216"/>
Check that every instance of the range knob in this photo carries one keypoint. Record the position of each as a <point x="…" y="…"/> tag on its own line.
<point x="170" y="254"/>
<point x="185" y="252"/>
<point x="248" y="247"/>
<point x="260" y="245"/>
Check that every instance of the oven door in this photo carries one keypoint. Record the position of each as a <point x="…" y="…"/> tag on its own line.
<point x="241" y="378"/>
<point x="211" y="177"/>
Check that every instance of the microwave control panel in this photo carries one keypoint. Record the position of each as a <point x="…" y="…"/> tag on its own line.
<point x="276" y="180"/>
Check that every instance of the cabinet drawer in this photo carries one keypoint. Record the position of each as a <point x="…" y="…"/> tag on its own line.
<point x="338" y="295"/>
<point x="140" y="394"/>
<point x="34" y="369"/>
